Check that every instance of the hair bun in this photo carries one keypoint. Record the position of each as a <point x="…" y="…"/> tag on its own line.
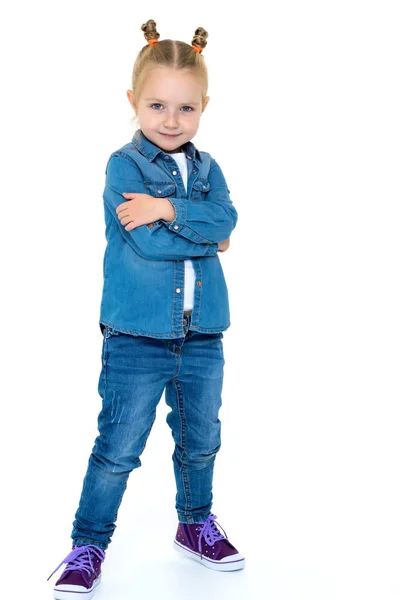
<point x="150" y="31"/>
<point x="200" y="37"/>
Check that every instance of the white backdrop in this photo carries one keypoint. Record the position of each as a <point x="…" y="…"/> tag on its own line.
<point x="304" y="121"/>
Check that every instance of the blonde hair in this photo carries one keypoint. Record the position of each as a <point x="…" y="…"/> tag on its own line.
<point x="169" y="53"/>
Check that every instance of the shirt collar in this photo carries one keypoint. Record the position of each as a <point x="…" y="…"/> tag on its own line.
<point x="150" y="150"/>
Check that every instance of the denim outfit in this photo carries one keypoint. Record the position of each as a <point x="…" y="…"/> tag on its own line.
<point x="149" y="344"/>
<point x="143" y="269"/>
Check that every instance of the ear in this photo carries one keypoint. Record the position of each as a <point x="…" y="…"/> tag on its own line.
<point x="131" y="97"/>
<point x="207" y="98"/>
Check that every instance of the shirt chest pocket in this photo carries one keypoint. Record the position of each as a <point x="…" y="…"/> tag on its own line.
<point x="159" y="190"/>
<point x="200" y="189"/>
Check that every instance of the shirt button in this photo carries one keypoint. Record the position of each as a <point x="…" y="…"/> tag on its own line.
<point x="173" y="172"/>
<point x="178" y="290"/>
<point x="167" y="158"/>
<point x="194" y="171"/>
<point x="158" y="191"/>
<point x="151" y="224"/>
<point x="198" y="282"/>
<point x="175" y="226"/>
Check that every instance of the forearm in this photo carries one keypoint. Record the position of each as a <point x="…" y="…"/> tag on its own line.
<point x="153" y="241"/>
<point x="202" y="223"/>
<point x="209" y="218"/>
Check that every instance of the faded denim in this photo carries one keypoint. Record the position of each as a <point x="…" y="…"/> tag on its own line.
<point x="135" y="371"/>
<point x="143" y="269"/>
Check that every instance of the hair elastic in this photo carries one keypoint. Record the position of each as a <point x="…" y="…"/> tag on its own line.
<point x="154" y="40"/>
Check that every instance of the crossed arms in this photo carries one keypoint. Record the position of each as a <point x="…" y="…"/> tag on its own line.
<point x="168" y="228"/>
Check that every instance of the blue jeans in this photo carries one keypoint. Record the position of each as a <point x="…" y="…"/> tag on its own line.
<point x="135" y="371"/>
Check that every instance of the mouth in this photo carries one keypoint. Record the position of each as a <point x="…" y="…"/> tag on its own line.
<point x="169" y="135"/>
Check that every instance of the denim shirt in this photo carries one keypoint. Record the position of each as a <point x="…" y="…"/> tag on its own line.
<point x="143" y="269"/>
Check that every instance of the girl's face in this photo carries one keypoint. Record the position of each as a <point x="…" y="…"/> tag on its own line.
<point x="170" y="103"/>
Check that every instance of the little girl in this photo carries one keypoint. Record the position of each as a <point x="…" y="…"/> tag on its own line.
<point x="163" y="310"/>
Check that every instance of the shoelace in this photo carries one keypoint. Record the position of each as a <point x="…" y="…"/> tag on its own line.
<point x="209" y="532"/>
<point x="79" y="559"/>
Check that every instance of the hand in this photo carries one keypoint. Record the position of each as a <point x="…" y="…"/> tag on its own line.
<point x="142" y="209"/>
<point x="222" y="246"/>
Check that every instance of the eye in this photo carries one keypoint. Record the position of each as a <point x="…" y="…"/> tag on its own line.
<point x="155" y="104"/>
<point x="191" y="109"/>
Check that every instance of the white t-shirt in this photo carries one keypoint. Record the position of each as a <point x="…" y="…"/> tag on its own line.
<point x="190" y="275"/>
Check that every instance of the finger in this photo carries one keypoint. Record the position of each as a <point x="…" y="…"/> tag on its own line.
<point x="124" y="211"/>
<point x="122" y="207"/>
<point x="125" y="220"/>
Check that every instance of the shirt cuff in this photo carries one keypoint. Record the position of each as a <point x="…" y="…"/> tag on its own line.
<point x="180" y="215"/>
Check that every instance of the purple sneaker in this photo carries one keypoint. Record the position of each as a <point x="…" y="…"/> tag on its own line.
<point x="205" y="543"/>
<point x="82" y="574"/>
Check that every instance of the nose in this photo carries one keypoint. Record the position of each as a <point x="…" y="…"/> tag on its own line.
<point x="171" y="120"/>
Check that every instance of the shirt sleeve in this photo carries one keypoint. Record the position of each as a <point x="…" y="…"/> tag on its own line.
<point x="209" y="220"/>
<point x="152" y="241"/>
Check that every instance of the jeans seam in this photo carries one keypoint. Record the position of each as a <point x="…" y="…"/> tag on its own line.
<point x="105" y="366"/>
<point x="185" y="482"/>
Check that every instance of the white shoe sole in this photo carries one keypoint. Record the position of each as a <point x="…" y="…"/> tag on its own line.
<point x="75" y="592"/>
<point x="231" y="563"/>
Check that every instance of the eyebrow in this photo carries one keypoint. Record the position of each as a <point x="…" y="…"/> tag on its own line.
<point x="164" y="102"/>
